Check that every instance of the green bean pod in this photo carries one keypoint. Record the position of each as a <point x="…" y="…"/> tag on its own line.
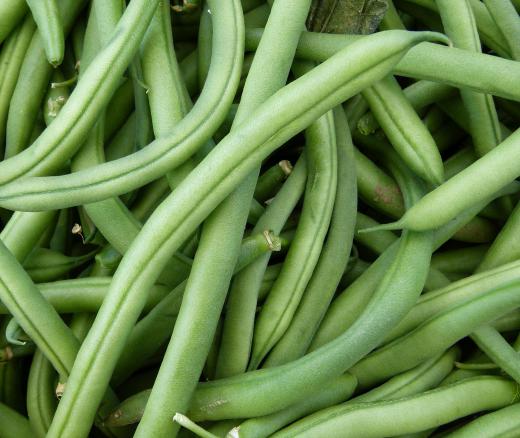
<point x="235" y="347"/>
<point x="33" y="81"/>
<point x="47" y="17"/>
<point x="333" y="259"/>
<point x="502" y="423"/>
<point x="103" y="184"/>
<point x="404" y="129"/>
<point x="458" y="292"/>
<point x="281" y="304"/>
<point x="124" y="302"/>
<point x="271" y="180"/>
<point x="506" y="18"/>
<point x="11" y="13"/>
<point x="335" y="392"/>
<point x="406" y="415"/>
<point x="92" y="93"/>
<point x="13" y="424"/>
<point x="441" y="331"/>
<point x="11" y="59"/>
<point x="41" y="400"/>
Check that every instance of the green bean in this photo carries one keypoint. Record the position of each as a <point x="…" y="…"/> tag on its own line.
<point x="204" y="46"/>
<point x="463" y="260"/>
<point x="441" y="331"/>
<point x="492" y="343"/>
<point x="332" y="393"/>
<point x="423" y="377"/>
<point x="41" y="401"/>
<point x="391" y="19"/>
<point x="45" y="265"/>
<point x="448" y="65"/>
<point x="93" y="92"/>
<point x="123" y="305"/>
<point x="506" y="18"/>
<point x="501" y="423"/>
<point x="149" y="198"/>
<point x="14" y="424"/>
<point x="282" y="302"/>
<point x="459" y="161"/>
<point x="460" y="192"/>
<point x="11" y="59"/>
<point x="33" y="80"/>
<point x="376" y="188"/>
<point x="123" y="142"/>
<point x="270" y="181"/>
<point x="333" y="259"/>
<point x="378" y="241"/>
<point x="154" y="329"/>
<point x="243" y="297"/>
<point x="406" y="415"/>
<point x="22" y="231"/>
<point x="47" y="18"/>
<point x="11" y="13"/>
<point x="257" y="17"/>
<point x="406" y="132"/>
<point x="85" y="294"/>
<point x="458" y="292"/>
<point x="481" y="110"/>
<point x="219" y="242"/>
<point x="118" y="109"/>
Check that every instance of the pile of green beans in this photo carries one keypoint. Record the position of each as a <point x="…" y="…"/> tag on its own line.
<point x="218" y="220"/>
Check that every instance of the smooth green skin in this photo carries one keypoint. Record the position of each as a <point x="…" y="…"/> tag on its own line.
<point x="193" y="132"/>
<point x="33" y="81"/>
<point x="404" y="129"/>
<point x="455" y="294"/>
<point x="271" y="180"/>
<point x="11" y="13"/>
<point x="13" y="424"/>
<point x="154" y="329"/>
<point x="282" y="302"/>
<point x="11" y="59"/>
<point x="35" y="315"/>
<point x="23" y="230"/>
<point x="420" y="94"/>
<point x="237" y="335"/>
<point x="502" y="423"/>
<point x="489" y="33"/>
<point x="435" y="334"/>
<point x="459" y="161"/>
<point x="497" y="168"/>
<point x="391" y="19"/>
<point x="378" y="241"/>
<point x="219" y="243"/>
<point x="448" y="65"/>
<point x="459" y="24"/>
<point x="91" y="94"/>
<point x="123" y="141"/>
<point x="44" y="265"/>
<point x="423" y="377"/>
<point x="463" y="260"/>
<point x="411" y="414"/>
<point x="493" y="344"/>
<point x="41" y="401"/>
<point x="333" y="258"/>
<point x="204" y="46"/>
<point x="175" y="219"/>
<point x="399" y="289"/>
<point x="86" y="294"/>
<point x="119" y="109"/>
<point x="506" y="19"/>
<point x="506" y="246"/>
<point x="376" y="188"/>
<point x="336" y="391"/>
<point x="47" y="17"/>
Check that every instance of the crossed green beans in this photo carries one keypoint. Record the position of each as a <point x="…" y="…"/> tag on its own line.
<point x="196" y="202"/>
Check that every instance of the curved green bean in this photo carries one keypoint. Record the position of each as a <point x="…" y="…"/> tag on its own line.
<point x="11" y="13"/>
<point x="13" y="424"/>
<point x="47" y="17"/>
<point x="406" y="415"/>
